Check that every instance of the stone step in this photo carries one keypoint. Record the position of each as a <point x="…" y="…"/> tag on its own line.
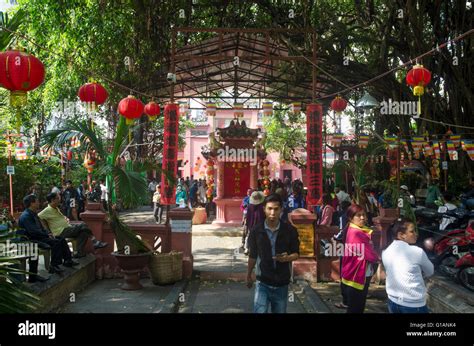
<point x="61" y="287"/>
<point x="447" y="296"/>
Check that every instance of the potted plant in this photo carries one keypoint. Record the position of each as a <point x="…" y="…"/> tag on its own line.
<point x="391" y="191"/>
<point x="125" y="180"/>
<point x="357" y="167"/>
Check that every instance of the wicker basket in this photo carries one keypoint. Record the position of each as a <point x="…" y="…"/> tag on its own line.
<point x="166" y="268"/>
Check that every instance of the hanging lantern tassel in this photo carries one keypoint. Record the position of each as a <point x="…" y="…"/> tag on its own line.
<point x="418" y="91"/>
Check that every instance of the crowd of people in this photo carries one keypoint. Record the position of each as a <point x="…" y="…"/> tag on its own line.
<point x="406" y="265"/>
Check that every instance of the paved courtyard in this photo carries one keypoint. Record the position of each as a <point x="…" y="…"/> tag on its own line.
<point x="217" y="286"/>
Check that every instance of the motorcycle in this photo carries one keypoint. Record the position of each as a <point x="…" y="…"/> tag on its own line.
<point x="465" y="266"/>
<point x="429" y="220"/>
<point x="453" y="253"/>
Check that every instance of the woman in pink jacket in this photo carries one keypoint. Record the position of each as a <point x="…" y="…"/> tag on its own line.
<point x="358" y="260"/>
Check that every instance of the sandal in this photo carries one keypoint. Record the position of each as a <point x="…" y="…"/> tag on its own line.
<point x="340" y="305"/>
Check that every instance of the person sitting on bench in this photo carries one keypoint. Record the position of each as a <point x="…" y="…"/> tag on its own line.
<point x="34" y="230"/>
<point x="59" y="225"/>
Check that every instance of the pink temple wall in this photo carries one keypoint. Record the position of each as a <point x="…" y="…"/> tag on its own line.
<point x="192" y="150"/>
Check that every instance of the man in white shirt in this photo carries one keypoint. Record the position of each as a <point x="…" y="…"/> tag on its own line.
<point x="104" y="197"/>
<point x="152" y="189"/>
<point x="342" y="195"/>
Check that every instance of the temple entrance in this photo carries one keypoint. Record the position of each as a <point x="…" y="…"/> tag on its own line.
<point x="234" y="150"/>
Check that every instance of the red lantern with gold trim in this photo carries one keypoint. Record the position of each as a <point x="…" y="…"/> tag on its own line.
<point x="93" y="94"/>
<point x="338" y="104"/>
<point x="418" y="77"/>
<point x="152" y="109"/>
<point x="131" y="108"/>
<point x="19" y="73"/>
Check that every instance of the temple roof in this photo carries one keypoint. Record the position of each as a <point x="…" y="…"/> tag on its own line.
<point x="237" y="130"/>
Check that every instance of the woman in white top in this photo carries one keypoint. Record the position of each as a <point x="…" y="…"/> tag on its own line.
<point x="405" y="265"/>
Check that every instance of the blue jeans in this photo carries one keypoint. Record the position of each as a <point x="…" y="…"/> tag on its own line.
<point x="265" y="296"/>
<point x="394" y="308"/>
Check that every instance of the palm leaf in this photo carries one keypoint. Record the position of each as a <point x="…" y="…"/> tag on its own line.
<point x="120" y="139"/>
<point x="127" y="239"/>
<point x="132" y="186"/>
<point x="6" y="37"/>
<point x="91" y="138"/>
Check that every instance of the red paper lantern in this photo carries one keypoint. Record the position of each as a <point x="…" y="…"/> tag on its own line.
<point x="93" y="93"/>
<point x="19" y="73"/>
<point x="338" y="104"/>
<point x="418" y="77"/>
<point x="210" y="162"/>
<point x="152" y="109"/>
<point x="69" y="155"/>
<point x="131" y="108"/>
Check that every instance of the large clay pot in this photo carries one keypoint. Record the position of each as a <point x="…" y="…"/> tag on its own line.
<point x="131" y="266"/>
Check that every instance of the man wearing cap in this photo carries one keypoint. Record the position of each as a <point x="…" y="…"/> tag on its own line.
<point x="254" y="215"/>
<point x="273" y="245"/>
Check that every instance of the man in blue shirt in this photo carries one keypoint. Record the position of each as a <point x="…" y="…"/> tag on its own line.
<point x="34" y="230"/>
<point x="273" y="245"/>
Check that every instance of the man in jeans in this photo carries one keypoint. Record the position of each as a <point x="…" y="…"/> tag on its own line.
<point x="273" y="245"/>
<point x="52" y="219"/>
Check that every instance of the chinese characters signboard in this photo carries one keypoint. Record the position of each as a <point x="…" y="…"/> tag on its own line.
<point x="170" y="152"/>
<point x="236" y="179"/>
<point x="314" y="165"/>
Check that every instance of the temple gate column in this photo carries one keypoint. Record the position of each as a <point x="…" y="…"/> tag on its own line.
<point x="254" y="177"/>
<point x="220" y="179"/>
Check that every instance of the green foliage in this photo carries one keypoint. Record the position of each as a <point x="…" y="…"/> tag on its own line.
<point x="358" y="167"/>
<point x="129" y="183"/>
<point x="286" y="134"/>
<point x="28" y="173"/>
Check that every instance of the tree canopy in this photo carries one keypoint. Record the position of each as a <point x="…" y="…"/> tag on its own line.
<point x="128" y="43"/>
